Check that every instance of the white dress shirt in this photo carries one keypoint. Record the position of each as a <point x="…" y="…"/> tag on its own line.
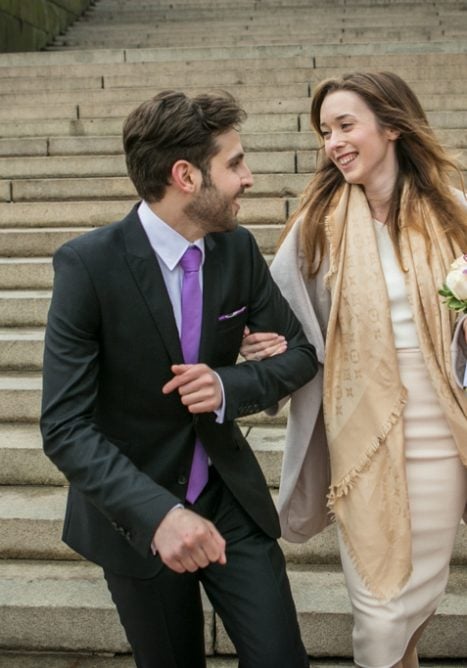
<point x="169" y="247"/>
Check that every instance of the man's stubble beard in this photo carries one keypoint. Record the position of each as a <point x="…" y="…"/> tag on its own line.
<point x="211" y="210"/>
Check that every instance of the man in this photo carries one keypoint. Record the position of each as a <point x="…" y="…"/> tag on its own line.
<point x="131" y="416"/>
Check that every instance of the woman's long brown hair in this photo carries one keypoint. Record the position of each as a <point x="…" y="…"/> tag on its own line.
<point x="424" y="165"/>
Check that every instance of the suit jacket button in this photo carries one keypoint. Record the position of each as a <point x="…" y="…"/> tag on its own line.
<point x="181" y="479"/>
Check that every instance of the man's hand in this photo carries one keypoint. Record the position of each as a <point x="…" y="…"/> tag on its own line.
<point x="186" y="541"/>
<point x="198" y="387"/>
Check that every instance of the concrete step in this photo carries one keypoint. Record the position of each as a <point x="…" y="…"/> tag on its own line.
<point x="21" y="349"/>
<point x="20" y="397"/>
<point x="277" y="104"/>
<point x="261" y="105"/>
<point x="176" y="20"/>
<point x="5" y="191"/>
<point x="25" y="273"/>
<point x="45" y="241"/>
<point x="278" y="122"/>
<point x="345" y="35"/>
<point x="301" y="58"/>
<point x="23" y="308"/>
<point x="397" y="62"/>
<point x="325" y="620"/>
<point x="370" y="47"/>
<point x="195" y="29"/>
<point x="65" y="606"/>
<point x="112" y="145"/>
<point x="86" y="214"/>
<point x="90" y="166"/>
<point x="78" y="104"/>
<point x="64" y="104"/>
<point x="266" y="76"/>
<point x="72" y="660"/>
<point x="225" y="75"/>
<point x="117" y="5"/>
<point x="120" y="187"/>
<point x="248" y="52"/>
<point x="260" y="162"/>
<point x="38" y="242"/>
<point x="22" y="444"/>
<point x="22" y="460"/>
<point x="179" y="19"/>
<point x="31" y="523"/>
<point x="256" y="122"/>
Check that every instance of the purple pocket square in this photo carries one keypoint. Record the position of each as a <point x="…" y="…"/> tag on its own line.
<point x="228" y="316"/>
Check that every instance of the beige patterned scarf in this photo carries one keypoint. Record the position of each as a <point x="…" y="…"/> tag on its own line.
<point x="364" y="397"/>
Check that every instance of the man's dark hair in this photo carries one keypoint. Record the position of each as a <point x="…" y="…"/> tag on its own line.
<point x="172" y="126"/>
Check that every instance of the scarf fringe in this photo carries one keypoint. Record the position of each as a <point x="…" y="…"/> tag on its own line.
<point x="344" y="486"/>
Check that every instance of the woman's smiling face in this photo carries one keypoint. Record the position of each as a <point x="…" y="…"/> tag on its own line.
<point x="354" y="141"/>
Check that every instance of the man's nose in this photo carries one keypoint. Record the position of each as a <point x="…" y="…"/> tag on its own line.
<point x="247" y="178"/>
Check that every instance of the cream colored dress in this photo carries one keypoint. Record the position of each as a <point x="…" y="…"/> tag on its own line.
<point x="437" y="487"/>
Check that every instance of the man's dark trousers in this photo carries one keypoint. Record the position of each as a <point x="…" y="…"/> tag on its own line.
<point x="163" y="616"/>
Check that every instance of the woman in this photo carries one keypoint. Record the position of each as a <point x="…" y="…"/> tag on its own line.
<point x="382" y="430"/>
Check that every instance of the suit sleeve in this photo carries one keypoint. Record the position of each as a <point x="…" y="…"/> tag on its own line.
<point x="94" y="465"/>
<point x="253" y="386"/>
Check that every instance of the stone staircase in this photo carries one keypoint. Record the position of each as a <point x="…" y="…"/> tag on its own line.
<point x="62" y="171"/>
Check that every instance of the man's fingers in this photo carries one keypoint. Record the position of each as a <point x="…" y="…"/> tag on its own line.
<point x="186" y="373"/>
<point x="186" y="542"/>
<point x="197" y="386"/>
<point x="179" y="371"/>
<point x="220" y="546"/>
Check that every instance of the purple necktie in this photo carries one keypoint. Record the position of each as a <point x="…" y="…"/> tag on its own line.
<point x="192" y="312"/>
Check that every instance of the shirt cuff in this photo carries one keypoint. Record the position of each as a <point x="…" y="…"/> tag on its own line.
<point x="220" y="412"/>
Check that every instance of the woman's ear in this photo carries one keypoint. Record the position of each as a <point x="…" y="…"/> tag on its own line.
<point x="392" y="134"/>
<point x="184" y="176"/>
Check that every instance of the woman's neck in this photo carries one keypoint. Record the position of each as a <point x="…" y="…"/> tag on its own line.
<point x="380" y="203"/>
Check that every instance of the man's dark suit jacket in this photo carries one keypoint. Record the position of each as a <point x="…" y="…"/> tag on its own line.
<point x="110" y="341"/>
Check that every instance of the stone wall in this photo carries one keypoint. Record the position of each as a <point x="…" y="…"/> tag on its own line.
<point x="29" y="25"/>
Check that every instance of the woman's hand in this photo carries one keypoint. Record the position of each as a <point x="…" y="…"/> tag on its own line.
<point x="464" y="325"/>
<point x="260" y="345"/>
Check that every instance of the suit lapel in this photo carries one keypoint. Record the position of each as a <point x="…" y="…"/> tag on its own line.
<point x="145" y="268"/>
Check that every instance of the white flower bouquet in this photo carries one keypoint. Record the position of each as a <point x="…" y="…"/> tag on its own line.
<point x="454" y="291"/>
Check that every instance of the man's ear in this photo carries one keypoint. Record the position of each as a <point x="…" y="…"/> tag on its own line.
<point x="184" y="176"/>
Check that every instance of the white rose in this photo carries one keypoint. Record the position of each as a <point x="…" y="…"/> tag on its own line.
<point x="460" y="262"/>
<point x="456" y="281"/>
